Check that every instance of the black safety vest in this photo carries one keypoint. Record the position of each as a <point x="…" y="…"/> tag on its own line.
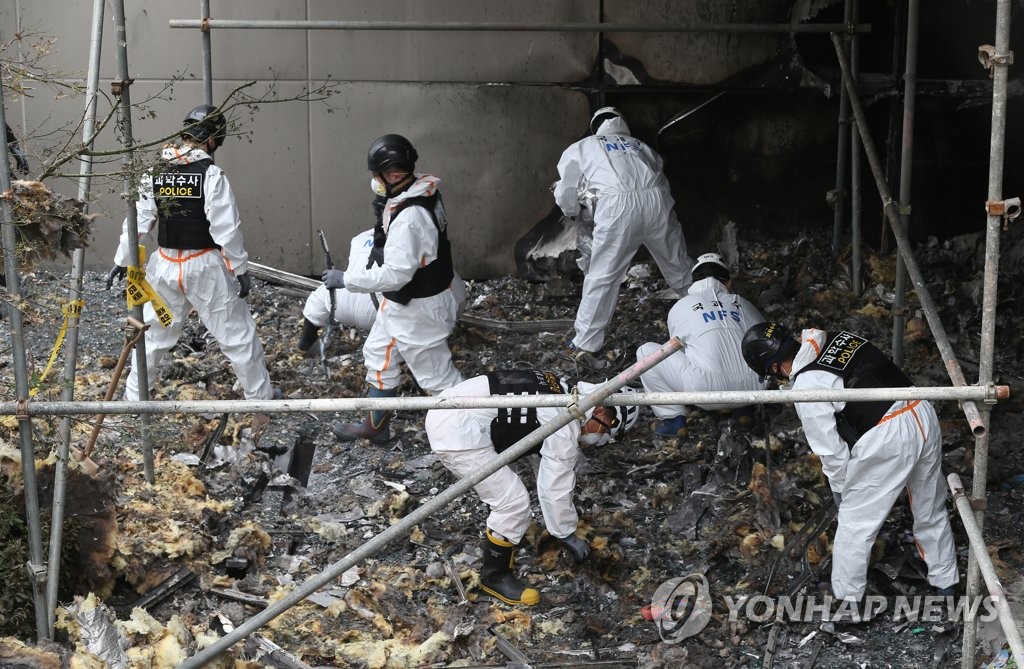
<point x="861" y="365"/>
<point x="180" y="194"/>
<point x="437" y="276"/>
<point x="513" y="423"/>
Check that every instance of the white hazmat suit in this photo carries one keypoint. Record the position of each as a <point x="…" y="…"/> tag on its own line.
<point x="710" y="322"/>
<point x="358" y="310"/>
<point x="903" y="450"/>
<point x="417" y="332"/>
<point x="203" y="279"/>
<point x="632" y="206"/>
<point x="461" y="438"/>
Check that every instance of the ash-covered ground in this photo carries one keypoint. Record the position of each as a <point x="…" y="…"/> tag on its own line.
<point x="740" y="507"/>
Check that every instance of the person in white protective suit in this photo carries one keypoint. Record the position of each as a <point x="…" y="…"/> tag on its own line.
<point x="710" y="321"/>
<point x="869" y="451"/>
<point x="466" y="440"/>
<point x="352" y="310"/>
<point x="189" y="203"/>
<point x="621" y="178"/>
<point x="411" y="265"/>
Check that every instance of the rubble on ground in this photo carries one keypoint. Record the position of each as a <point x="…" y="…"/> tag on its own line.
<point x="211" y="544"/>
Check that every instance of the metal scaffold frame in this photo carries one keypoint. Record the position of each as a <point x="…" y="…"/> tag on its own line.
<point x="847" y="150"/>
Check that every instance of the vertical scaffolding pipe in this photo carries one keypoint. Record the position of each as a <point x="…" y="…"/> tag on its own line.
<point x="204" y="12"/>
<point x="122" y="91"/>
<point x="35" y="566"/>
<point x="899" y="316"/>
<point x="855" y="174"/>
<point x="842" y="152"/>
<point x="71" y="340"/>
<point x="1000" y="74"/>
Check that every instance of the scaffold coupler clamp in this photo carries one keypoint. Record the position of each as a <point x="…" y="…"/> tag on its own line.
<point x="36" y="572"/>
<point x="1008" y="210"/>
<point x="988" y="58"/>
<point x="976" y="504"/>
<point x="573" y="407"/>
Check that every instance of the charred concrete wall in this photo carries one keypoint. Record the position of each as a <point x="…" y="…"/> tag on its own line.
<point x="490" y="112"/>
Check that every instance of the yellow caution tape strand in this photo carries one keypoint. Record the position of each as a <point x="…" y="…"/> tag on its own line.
<point x="138" y="292"/>
<point x="71" y="310"/>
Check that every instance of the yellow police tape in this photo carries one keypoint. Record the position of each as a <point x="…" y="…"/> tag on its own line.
<point x="71" y="310"/>
<point x="138" y="292"/>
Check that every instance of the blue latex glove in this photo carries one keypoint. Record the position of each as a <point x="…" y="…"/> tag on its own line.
<point x="333" y="278"/>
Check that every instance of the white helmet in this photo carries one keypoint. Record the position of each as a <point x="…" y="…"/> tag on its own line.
<point x="710" y="265"/>
<point x="602" y="115"/>
<point x="625" y="416"/>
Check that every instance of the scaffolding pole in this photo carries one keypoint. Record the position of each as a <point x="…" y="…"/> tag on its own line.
<point x="970" y="409"/>
<point x="999" y="60"/>
<point x="841" y="192"/>
<point x="121" y="90"/>
<point x="856" y="199"/>
<point x="204" y="11"/>
<point x="899" y="316"/>
<point x="35" y="566"/>
<point x="498" y="26"/>
<point x="73" y="314"/>
<point x="988" y="393"/>
<point x="573" y="411"/>
<point x="995" y="588"/>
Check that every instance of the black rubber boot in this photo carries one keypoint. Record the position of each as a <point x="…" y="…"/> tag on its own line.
<point x="375" y="426"/>
<point x="496" y="577"/>
<point x="310" y="333"/>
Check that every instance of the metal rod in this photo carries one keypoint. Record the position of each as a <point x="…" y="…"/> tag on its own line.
<point x="892" y="213"/>
<point x="899" y="317"/>
<point x="402" y="528"/>
<point x="124" y="113"/>
<point x="753" y="28"/>
<point x="35" y="566"/>
<point x="73" y="315"/>
<point x="204" y="11"/>
<point x="988" y="571"/>
<point x="987" y="393"/>
<point x="856" y="201"/>
<point x="842" y="156"/>
<point x="1000" y="74"/>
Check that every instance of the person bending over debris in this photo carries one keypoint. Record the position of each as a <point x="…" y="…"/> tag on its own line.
<point x="632" y="205"/>
<point x="467" y="439"/>
<point x="411" y="264"/>
<point x="352" y="310"/>
<point x="201" y="254"/>
<point x="710" y="321"/>
<point x="869" y="451"/>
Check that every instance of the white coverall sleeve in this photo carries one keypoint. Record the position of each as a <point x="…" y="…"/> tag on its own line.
<point x="569" y="175"/>
<point x="819" y="422"/>
<point x="412" y="243"/>
<point x="225" y="223"/>
<point x="145" y="208"/>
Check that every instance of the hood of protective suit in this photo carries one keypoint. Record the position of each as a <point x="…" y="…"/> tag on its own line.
<point x="613" y="126"/>
<point x="807" y="354"/>
<point x="183" y="155"/>
<point x="425" y="184"/>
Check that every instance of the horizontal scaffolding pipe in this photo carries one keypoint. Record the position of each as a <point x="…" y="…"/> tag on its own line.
<point x="989" y="393"/>
<point x="891" y="211"/>
<point x="405" y="525"/>
<point x="995" y="589"/>
<point x="752" y="28"/>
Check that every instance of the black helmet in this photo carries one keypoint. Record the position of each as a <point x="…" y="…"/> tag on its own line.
<point x="391" y="151"/>
<point x="765" y="344"/>
<point x="203" y="124"/>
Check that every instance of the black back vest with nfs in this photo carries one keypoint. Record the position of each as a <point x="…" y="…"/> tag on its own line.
<point x="861" y="365"/>
<point x="513" y="423"/>
<point x="180" y="194"/>
<point x="435" y="277"/>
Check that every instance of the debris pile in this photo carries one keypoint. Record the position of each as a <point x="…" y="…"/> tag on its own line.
<point x="47" y="223"/>
<point x="219" y="538"/>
